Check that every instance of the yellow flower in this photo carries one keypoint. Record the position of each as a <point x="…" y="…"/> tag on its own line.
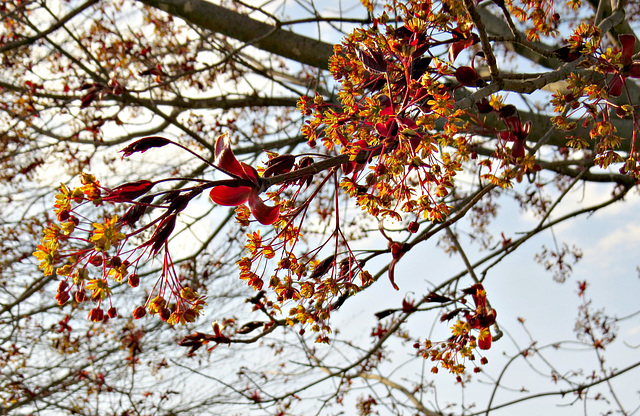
<point x="100" y="288"/>
<point x="47" y="253"/>
<point x="107" y="234"/>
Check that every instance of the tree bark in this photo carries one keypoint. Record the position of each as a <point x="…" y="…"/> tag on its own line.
<point x="269" y="38"/>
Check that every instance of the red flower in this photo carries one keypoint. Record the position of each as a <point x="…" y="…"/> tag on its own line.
<point x="235" y="195"/>
<point x="483" y="317"/>
<point x="462" y="40"/>
<point x="630" y="68"/>
<point x="517" y="133"/>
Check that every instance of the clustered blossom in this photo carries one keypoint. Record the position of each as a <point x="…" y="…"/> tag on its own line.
<point x="75" y="258"/>
<point x="460" y="347"/>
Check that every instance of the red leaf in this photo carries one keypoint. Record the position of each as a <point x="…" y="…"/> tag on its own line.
<point x="484" y="343"/>
<point x="467" y="76"/>
<point x="627" y="42"/>
<point x="615" y="86"/>
<point x="230" y="196"/>
<point x="392" y="266"/>
<point x="265" y="214"/>
<point x="456" y="47"/>
<point x="518" y="149"/>
<point x="226" y="160"/>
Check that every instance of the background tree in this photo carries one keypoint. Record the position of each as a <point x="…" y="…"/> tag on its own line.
<point x="432" y="117"/>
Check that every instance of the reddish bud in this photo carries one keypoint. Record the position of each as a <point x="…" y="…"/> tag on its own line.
<point x="134" y="280"/>
<point x="63" y="215"/>
<point x="484" y="106"/>
<point x="567" y="54"/>
<point x="279" y="165"/>
<point x="518" y="150"/>
<point x="62" y="297"/>
<point x="190" y="315"/>
<point x="155" y="71"/>
<point x="413" y="227"/>
<point x="96" y="260"/>
<point x="139" y="312"/>
<point x="165" y="314"/>
<point x="144" y="144"/>
<point x="112" y="312"/>
<point x="115" y="261"/>
<point x="136" y="212"/>
<point x="88" y="99"/>
<point x="162" y="233"/>
<point x="373" y="61"/>
<point x="627" y="42"/>
<point x="129" y="191"/>
<point x="249" y="326"/>
<point x="434" y="297"/>
<point x="80" y="296"/>
<point x="322" y="267"/>
<point x="96" y="315"/>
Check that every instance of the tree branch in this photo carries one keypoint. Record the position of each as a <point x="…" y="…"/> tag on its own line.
<point x="243" y="28"/>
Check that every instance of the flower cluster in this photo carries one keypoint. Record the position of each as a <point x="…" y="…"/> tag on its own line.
<point x="453" y="353"/>
<point x="91" y="257"/>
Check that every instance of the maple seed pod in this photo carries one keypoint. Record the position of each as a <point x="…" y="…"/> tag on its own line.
<point x="139" y="312"/>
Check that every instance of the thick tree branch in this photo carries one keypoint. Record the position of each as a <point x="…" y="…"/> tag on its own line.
<point x="243" y="28"/>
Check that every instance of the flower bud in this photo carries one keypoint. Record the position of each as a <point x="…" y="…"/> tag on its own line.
<point x="80" y="296"/>
<point x="139" y="312"/>
<point x="96" y="315"/>
<point x="134" y="280"/>
<point x="62" y="297"/>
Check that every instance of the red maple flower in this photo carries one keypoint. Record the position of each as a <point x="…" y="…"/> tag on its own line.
<point x="247" y="192"/>
<point x="517" y="133"/>
<point x="483" y="317"/>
